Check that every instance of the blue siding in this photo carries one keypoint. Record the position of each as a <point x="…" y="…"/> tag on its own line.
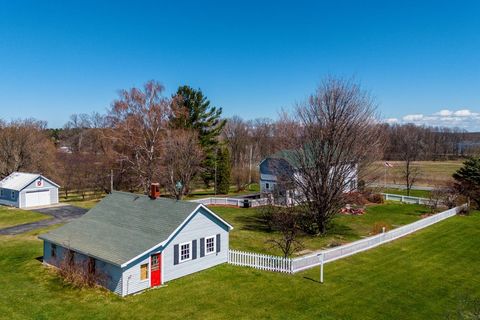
<point x="110" y="274"/>
<point x="202" y="224"/>
<point x="6" y="197"/>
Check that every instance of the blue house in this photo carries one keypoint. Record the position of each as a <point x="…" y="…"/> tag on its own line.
<point x="25" y="190"/>
<point x="133" y="242"/>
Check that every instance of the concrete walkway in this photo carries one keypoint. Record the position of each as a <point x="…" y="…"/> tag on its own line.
<point x="59" y="213"/>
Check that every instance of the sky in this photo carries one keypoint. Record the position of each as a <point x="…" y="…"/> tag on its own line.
<point x="420" y="60"/>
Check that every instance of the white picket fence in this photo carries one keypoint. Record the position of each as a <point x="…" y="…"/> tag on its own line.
<point x="238" y="202"/>
<point x="280" y="264"/>
<point x="405" y="199"/>
<point x="260" y="261"/>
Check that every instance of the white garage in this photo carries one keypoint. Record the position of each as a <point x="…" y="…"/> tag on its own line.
<point x="26" y="190"/>
<point x="37" y="198"/>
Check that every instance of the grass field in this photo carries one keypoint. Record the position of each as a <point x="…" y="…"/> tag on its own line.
<point x="250" y="231"/>
<point x="10" y="217"/>
<point x="413" y="193"/>
<point x="428" y="275"/>
<point x="432" y="172"/>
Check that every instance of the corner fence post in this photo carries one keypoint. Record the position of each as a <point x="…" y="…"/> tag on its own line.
<point x="320" y="256"/>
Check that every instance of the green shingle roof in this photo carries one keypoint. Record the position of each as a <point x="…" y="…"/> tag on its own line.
<point x="122" y="226"/>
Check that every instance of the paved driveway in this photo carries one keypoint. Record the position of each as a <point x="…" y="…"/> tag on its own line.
<point x="59" y="213"/>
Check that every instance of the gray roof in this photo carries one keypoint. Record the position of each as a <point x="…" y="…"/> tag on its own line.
<point x="122" y="226"/>
<point x="19" y="180"/>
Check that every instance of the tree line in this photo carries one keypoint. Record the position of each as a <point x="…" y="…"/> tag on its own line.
<point x="183" y="142"/>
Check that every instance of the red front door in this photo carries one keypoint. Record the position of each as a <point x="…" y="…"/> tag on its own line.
<point x="155" y="270"/>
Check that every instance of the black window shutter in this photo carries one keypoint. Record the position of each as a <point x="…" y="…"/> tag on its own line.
<point x="175" y="254"/>
<point x="218" y="242"/>
<point x="202" y="247"/>
<point x="194" y="249"/>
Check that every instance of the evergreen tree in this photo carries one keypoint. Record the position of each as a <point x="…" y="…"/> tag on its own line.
<point x="468" y="179"/>
<point x="192" y="110"/>
<point x="223" y="171"/>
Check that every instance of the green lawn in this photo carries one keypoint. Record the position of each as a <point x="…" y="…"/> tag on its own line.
<point x="413" y="193"/>
<point x="11" y="217"/>
<point x="251" y="234"/>
<point x="427" y="275"/>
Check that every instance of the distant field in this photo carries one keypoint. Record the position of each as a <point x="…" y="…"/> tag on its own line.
<point x="432" y="172"/>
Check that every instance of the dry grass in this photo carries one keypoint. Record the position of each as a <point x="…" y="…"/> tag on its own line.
<point x="433" y="173"/>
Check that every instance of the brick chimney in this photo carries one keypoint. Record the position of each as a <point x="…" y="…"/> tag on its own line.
<point x="154" y="191"/>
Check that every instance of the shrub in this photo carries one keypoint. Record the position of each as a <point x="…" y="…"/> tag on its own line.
<point x="355" y="198"/>
<point x="375" y="198"/>
<point x="378" y="227"/>
<point x="80" y="274"/>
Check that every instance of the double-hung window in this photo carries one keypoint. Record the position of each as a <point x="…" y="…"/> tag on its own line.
<point x="209" y="245"/>
<point x="185" y="251"/>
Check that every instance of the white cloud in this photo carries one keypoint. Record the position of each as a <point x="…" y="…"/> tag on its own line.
<point x="391" y="120"/>
<point x="444" y="113"/>
<point x="462" y="118"/>
<point x="463" y="113"/>
<point x="413" y="117"/>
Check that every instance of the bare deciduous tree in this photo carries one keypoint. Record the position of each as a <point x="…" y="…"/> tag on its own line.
<point x="285" y="220"/>
<point x="409" y="144"/>
<point x="338" y="131"/>
<point x="140" y="120"/>
<point x="182" y="161"/>
<point x="24" y="146"/>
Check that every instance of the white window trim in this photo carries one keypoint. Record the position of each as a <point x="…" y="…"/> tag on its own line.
<point x="140" y="272"/>
<point x="214" y="237"/>
<point x="189" y="252"/>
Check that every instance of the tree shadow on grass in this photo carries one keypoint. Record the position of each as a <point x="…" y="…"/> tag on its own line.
<point x="340" y="229"/>
<point x="255" y="222"/>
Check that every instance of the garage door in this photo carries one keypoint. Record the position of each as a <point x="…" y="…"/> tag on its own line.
<point x="37" y="198"/>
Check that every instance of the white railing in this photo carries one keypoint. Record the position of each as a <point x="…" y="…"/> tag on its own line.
<point x="260" y="261"/>
<point x="406" y="199"/>
<point x="312" y="260"/>
<point x="237" y="202"/>
<point x="280" y="264"/>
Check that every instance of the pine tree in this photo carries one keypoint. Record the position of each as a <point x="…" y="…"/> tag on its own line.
<point x="192" y="110"/>
<point x="468" y="179"/>
<point x="223" y="171"/>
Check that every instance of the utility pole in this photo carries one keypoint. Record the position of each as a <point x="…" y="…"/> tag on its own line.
<point x="111" y="180"/>
<point x="250" y="166"/>
<point x="215" y="178"/>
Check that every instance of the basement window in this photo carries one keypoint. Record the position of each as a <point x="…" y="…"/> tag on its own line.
<point x="144" y="271"/>
<point x="91" y="265"/>
<point x="53" y="250"/>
